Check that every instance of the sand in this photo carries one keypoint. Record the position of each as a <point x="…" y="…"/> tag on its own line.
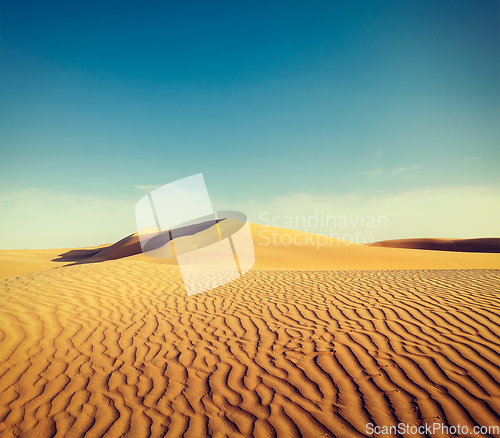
<point x="275" y="248"/>
<point x="115" y="348"/>
<point x="491" y="245"/>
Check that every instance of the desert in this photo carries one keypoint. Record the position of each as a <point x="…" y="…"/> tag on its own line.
<point x="264" y="219"/>
<point x="104" y="342"/>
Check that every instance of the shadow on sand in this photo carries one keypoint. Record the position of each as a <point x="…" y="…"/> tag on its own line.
<point x="131" y="245"/>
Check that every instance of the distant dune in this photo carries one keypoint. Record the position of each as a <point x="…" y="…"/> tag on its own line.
<point x="486" y="245"/>
<point x="317" y="340"/>
<point x="278" y="248"/>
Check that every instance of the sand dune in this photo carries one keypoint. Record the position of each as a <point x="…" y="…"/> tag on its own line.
<point x="110" y="345"/>
<point x="491" y="245"/>
<point x="275" y="248"/>
<point x="25" y="261"/>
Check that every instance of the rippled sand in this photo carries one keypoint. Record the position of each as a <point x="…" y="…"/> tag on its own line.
<point x="117" y="349"/>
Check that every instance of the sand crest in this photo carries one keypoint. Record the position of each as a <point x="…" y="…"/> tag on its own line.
<point x="275" y="248"/>
<point x="491" y="244"/>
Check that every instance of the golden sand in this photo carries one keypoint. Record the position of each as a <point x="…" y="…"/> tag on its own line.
<point x="115" y="348"/>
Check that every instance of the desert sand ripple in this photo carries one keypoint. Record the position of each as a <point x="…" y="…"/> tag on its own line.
<point x="117" y="349"/>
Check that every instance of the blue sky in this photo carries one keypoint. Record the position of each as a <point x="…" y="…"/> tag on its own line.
<point x="268" y="100"/>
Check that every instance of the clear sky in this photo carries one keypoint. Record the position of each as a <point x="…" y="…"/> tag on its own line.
<point x="286" y="107"/>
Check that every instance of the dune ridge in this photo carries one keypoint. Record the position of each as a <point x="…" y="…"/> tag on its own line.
<point x="275" y="248"/>
<point x="485" y="245"/>
<point x="117" y="349"/>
